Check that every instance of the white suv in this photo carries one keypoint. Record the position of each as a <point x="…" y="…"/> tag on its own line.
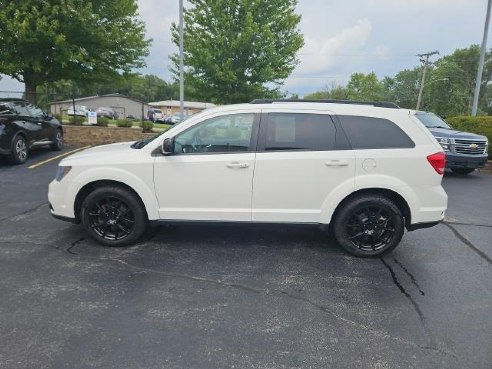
<point x="368" y="170"/>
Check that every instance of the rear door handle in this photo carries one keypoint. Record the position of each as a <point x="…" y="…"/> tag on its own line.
<point x="237" y="165"/>
<point x="337" y="163"/>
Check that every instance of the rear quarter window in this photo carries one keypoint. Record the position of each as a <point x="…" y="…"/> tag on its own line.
<point x="374" y="133"/>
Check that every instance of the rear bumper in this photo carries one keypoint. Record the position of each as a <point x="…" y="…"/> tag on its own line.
<point x="465" y="161"/>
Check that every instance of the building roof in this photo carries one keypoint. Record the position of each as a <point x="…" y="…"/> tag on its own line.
<point x="95" y="97"/>
<point x="187" y="104"/>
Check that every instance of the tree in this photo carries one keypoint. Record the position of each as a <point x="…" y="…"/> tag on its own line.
<point x="331" y="91"/>
<point x="366" y="87"/>
<point x="403" y="88"/>
<point x="236" y="51"/>
<point x="78" y="40"/>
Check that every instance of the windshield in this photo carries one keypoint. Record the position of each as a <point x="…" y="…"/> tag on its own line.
<point x="145" y="141"/>
<point x="432" y="121"/>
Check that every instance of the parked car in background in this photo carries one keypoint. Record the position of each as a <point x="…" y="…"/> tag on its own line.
<point x="155" y="115"/>
<point x="80" y="110"/>
<point x="175" y="119"/>
<point x="367" y="171"/>
<point x="131" y="117"/>
<point x="107" y="112"/>
<point x="24" y="126"/>
<point x="465" y="151"/>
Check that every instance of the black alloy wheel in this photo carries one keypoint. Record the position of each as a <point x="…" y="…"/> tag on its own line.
<point x="19" y="150"/>
<point x="369" y="226"/>
<point x="114" y="216"/>
<point x="57" y="144"/>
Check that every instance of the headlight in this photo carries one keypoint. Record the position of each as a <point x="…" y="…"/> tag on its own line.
<point x="444" y="142"/>
<point x="62" y="172"/>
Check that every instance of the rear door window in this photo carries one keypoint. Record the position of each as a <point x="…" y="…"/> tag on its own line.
<point x="374" y="133"/>
<point x="297" y="131"/>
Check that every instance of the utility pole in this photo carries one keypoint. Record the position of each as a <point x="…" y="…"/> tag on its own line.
<point x="424" y="58"/>
<point x="478" y="82"/>
<point x="181" y="62"/>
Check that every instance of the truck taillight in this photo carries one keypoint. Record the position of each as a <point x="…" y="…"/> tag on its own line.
<point x="437" y="161"/>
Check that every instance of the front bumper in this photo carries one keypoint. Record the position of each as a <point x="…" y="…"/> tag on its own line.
<point x="465" y="161"/>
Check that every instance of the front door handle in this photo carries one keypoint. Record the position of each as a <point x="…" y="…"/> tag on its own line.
<point x="337" y="163"/>
<point x="237" y="165"/>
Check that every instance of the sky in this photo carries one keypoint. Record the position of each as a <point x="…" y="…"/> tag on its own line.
<point x="342" y="37"/>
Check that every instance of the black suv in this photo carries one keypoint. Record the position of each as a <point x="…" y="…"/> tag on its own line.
<point x="465" y="151"/>
<point x="23" y="126"/>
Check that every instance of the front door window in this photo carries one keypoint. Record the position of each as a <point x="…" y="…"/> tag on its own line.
<point x="224" y="134"/>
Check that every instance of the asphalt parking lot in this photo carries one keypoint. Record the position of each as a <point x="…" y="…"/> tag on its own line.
<point x="240" y="296"/>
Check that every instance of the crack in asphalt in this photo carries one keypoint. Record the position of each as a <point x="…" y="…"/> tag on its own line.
<point x="430" y="336"/>
<point x="74" y="244"/>
<point x="468" y="243"/>
<point x="24" y="212"/>
<point x="446" y="222"/>
<point x="382" y="334"/>
<point x="412" y="278"/>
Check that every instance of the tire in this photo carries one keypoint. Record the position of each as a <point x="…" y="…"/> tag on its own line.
<point x="58" y="141"/>
<point x="19" y="150"/>
<point x="114" y="216"/>
<point x="369" y="226"/>
<point x="463" y="171"/>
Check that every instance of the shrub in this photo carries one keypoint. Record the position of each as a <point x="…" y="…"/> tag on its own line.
<point x="125" y="123"/>
<point x="77" y="121"/>
<point x="481" y="125"/>
<point x="102" y="121"/>
<point x="147" y="126"/>
<point x="58" y="116"/>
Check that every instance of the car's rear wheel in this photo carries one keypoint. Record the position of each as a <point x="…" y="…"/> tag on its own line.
<point x="114" y="216"/>
<point x="463" y="171"/>
<point x="19" y="150"/>
<point x="57" y="144"/>
<point x="369" y="226"/>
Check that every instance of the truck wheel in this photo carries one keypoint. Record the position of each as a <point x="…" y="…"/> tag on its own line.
<point x="369" y="226"/>
<point x="114" y="216"/>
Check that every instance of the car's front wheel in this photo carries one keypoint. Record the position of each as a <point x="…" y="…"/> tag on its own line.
<point x="57" y="144"/>
<point x="19" y="150"/>
<point x="114" y="216"/>
<point x="369" y="226"/>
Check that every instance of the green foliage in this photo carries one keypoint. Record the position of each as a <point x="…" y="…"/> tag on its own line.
<point x="366" y="87"/>
<point x="333" y="91"/>
<point x="236" y="50"/>
<point x="146" y="126"/>
<point x="481" y="125"/>
<point x="125" y="123"/>
<point x="76" y="120"/>
<point x="58" y="116"/>
<point x="448" y="89"/>
<point x="102" y="121"/>
<point x="80" y="40"/>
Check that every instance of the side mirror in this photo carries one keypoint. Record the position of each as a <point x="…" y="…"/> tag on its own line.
<point x="49" y="116"/>
<point x="168" y="146"/>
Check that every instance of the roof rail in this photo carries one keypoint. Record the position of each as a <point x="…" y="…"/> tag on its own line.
<point x="379" y="104"/>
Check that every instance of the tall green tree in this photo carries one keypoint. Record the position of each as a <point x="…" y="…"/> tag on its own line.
<point x="238" y="50"/>
<point x="78" y="40"/>
<point x="366" y="87"/>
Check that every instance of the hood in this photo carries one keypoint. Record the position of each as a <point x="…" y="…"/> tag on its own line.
<point x="112" y="150"/>
<point x="451" y="133"/>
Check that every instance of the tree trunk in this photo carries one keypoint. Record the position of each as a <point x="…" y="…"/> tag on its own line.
<point x="30" y="91"/>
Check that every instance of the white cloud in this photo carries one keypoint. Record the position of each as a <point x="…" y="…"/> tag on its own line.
<point x="318" y="54"/>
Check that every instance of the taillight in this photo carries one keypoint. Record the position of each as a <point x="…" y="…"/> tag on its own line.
<point x="438" y="162"/>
